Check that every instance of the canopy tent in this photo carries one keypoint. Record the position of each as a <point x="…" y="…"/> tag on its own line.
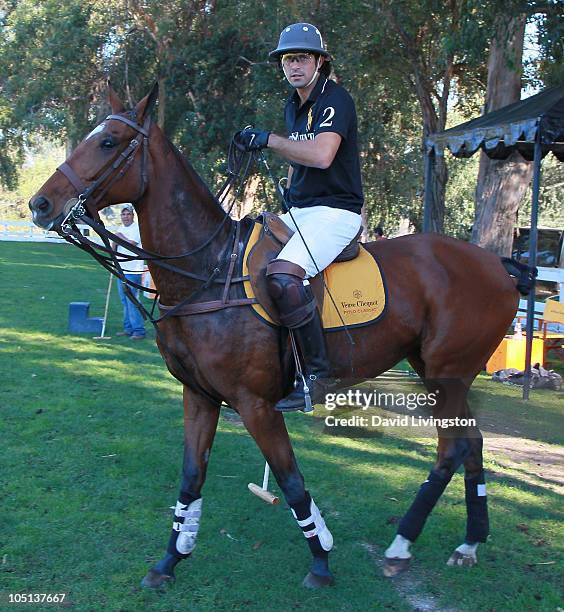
<point x="533" y="127"/>
<point x="510" y="128"/>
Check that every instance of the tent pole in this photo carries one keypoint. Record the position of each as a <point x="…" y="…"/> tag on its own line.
<point x="428" y="201"/>
<point x="532" y="262"/>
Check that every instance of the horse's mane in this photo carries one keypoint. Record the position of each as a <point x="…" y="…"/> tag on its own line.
<point x="191" y="171"/>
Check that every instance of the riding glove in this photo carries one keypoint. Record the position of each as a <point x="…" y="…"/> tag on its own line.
<point x="251" y="139"/>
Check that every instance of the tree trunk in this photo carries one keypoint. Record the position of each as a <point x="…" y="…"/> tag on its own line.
<point x="162" y="102"/>
<point x="501" y="183"/>
<point x="439" y="180"/>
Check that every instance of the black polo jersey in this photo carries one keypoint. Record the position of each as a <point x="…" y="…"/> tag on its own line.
<point x="329" y="108"/>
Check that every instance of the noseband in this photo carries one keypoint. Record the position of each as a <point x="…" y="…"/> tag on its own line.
<point x="85" y="201"/>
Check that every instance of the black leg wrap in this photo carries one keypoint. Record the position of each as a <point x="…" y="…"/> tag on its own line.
<point x="428" y="495"/>
<point x="302" y="508"/>
<point x="477" y="522"/>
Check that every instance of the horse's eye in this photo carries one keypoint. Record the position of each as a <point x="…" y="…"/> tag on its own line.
<point x="107" y="143"/>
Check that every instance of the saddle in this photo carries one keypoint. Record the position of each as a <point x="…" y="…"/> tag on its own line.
<point x="274" y="234"/>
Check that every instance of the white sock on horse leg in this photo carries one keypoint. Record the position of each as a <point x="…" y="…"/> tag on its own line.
<point x="468" y="549"/>
<point x="399" y="548"/>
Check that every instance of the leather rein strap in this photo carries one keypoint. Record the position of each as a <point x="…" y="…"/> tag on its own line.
<point x="183" y="309"/>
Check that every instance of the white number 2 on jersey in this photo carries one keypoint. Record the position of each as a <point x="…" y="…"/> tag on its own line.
<point x="328" y="114"/>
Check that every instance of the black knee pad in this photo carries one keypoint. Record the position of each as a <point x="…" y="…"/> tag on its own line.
<point x="295" y="301"/>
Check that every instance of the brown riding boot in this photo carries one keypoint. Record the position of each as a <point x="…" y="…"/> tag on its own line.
<point x="297" y="309"/>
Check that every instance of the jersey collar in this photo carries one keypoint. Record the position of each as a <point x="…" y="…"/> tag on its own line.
<point x="314" y="94"/>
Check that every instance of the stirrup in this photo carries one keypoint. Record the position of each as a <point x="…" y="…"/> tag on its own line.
<point x="307" y="397"/>
<point x="303" y="395"/>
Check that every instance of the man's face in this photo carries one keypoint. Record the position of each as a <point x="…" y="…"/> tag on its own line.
<point x="126" y="217"/>
<point x="300" y="67"/>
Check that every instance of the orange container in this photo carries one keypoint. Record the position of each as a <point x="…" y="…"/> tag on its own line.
<point x="511" y="354"/>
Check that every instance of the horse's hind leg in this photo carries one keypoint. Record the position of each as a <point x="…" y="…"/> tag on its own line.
<point x="477" y="522"/>
<point x="269" y="431"/>
<point x="200" y="424"/>
<point x="454" y="448"/>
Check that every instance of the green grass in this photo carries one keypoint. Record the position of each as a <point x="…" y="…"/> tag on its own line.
<point x="90" y="456"/>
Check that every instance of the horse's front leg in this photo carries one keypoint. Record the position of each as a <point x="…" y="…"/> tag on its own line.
<point x="200" y="424"/>
<point x="269" y="431"/>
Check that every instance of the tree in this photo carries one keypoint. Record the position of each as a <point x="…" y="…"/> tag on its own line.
<point x="501" y="183"/>
<point x="48" y="87"/>
<point x="426" y="43"/>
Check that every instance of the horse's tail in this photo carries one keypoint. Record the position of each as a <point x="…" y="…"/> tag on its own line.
<point x="524" y="274"/>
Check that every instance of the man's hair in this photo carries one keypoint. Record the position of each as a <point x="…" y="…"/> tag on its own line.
<point x="326" y="67"/>
<point x="379" y="231"/>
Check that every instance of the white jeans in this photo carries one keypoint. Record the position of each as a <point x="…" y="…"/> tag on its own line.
<point x="325" y="230"/>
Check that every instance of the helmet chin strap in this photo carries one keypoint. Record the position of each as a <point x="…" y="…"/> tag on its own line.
<point x="315" y="74"/>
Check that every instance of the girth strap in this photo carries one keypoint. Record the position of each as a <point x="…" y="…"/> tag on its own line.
<point x="181" y="310"/>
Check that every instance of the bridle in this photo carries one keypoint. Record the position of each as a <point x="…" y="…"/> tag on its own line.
<point x="86" y="201"/>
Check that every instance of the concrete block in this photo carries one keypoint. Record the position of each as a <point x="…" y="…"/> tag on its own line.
<point x="80" y="322"/>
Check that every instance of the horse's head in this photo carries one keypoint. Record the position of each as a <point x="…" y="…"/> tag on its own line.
<point x="108" y="167"/>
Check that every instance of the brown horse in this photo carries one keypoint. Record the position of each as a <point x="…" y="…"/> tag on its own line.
<point x="450" y="304"/>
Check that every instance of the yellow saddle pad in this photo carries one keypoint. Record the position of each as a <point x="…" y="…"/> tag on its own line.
<point x="356" y="290"/>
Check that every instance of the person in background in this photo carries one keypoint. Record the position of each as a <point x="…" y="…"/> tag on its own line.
<point x="133" y="325"/>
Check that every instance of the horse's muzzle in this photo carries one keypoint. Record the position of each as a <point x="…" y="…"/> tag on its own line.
<point x="41" y="209"/>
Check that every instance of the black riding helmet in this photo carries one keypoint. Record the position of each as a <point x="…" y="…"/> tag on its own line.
<point x="299" y="37"/>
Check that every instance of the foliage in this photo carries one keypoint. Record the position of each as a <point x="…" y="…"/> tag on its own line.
<point x="52" y="57"/>
<point x="551" y="196"/>
<point x="41" y="162"/>
<point x="409" y="65"/>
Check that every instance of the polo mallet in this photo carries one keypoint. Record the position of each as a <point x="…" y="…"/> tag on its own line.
<point x="263" y="492"/>
<point x="102" y="337"/>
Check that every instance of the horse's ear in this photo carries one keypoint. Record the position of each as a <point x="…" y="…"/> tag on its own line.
<point x="145" y="106"/>
<point x="115" y="102"/>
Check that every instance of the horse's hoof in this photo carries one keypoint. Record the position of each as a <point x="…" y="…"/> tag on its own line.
<point x="154" y="580"/>
<point x="394" y="566"/>
<point x="457" y="559"/>
<point x="314" y="581"/>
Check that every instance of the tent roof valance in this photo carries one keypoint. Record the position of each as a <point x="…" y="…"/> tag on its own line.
<point x="510" y="128"/>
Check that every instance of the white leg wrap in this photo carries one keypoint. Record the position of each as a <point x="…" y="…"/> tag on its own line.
<point x="319" y="527"/>
<point x="399" y="548"/>
<point x="187" y="524"/>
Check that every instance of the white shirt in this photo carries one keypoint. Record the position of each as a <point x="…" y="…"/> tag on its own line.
<point x="131" y="232"/>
